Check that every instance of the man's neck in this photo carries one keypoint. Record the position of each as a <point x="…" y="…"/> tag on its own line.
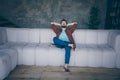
<point x="63" y="28"/>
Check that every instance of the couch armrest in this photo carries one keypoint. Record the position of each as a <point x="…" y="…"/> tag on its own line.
<point x="114" y="40"/>
<point x="117" y="44"/>
<point x="3" y="35"/>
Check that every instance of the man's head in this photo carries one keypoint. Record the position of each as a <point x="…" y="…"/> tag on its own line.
<point x="63" y="23"/>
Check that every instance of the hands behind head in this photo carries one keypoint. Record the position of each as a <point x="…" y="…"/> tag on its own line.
<point x="52" y="22"/>
<point x="75" y="22"/>
<point x="58" y="24"/>
<point x="71" y="24"/>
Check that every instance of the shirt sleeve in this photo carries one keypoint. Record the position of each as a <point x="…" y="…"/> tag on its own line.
<point x="72" y="29"/>
<point x="55" y="29"/>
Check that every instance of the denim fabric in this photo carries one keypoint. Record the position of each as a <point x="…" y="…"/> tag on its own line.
<point x="63" y="44"/>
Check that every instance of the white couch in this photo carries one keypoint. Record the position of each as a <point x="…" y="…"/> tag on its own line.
<point x="23" y="46"/>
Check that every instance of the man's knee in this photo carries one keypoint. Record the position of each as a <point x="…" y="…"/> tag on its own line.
<point x="55" y="39"/>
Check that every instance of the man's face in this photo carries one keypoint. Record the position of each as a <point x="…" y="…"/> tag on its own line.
<point x="63" y="23"/>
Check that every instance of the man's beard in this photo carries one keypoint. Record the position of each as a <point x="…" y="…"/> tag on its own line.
<point x="63" y="26"/>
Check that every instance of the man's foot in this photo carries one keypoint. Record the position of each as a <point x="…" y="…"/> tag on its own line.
<point x="66" y="69"/>
<point x="71" y="45"/>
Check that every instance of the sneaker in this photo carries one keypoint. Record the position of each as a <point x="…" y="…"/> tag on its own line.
<point x="66" y="69"/>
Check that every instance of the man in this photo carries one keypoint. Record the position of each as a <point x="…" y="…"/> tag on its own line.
<point x="64" y="38"/>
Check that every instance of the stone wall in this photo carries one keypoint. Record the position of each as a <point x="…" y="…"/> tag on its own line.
<point x="39" y="13"/>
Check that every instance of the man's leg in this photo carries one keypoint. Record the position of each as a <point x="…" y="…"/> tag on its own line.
<point x="67" y="54"/>
<point x="67" y="46"/>
<point x="60" y="42"/>
<point x="67" y="58"/>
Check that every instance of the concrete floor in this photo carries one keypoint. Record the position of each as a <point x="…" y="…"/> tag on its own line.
<point x="57" y="73"/>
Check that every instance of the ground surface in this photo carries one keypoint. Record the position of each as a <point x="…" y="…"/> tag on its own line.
<point x="57" y="73"/>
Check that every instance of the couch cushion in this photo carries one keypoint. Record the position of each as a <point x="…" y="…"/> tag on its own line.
<point x="19" y="47"/>
<point x="81" y="55"/>
<point x="56" y="56"/>
<point x="118" y="61"/>
<point x="13" y="56"/>
<point x="17" y="35"/>
<point x="29" y="54"/>
<point x="80" y="36"/>
<point x="42" y="54"/>
<point x="46" y="35"/>
<point x="48" y="54"/>
<point x="95" y="56"/>
<point x="109" y="56"/>
<point x="5" y="65"/>
<point x="11" y="34"/>
<point x="3" y="35"/>
<point x="34" y="36"/>
<point x="91" y="36"/>
<point x="22" y="35"/>
<point x="102" y="36"/>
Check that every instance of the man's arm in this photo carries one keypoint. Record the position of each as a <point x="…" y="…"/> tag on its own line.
<point x="74" y="26"/>
<point x="57" y="24"/>
<point x="55" y="28"/>
<point x="71" y="24"/>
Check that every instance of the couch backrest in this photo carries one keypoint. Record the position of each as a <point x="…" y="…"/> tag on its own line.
<point x="23" y="35"/>
<point x="46" y="36"/>
<point x="91" y="36"/>
<point x="112" y="38"/>
<point x="0" y="36"/>
<point x="3" y="35"/>
<point x="30" y="35"/>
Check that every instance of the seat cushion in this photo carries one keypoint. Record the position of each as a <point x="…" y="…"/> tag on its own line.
<point x="42" y="54"/>
<point x="48" y="54"/>
<point x="19" y="48"/>
<point x="5" y="65"/>
<point x="29" y="54"/>
<point x="13" y="56"/>
<point x="109" y="56"/>
<point x="81" y="55"/>
<point x="94" y="56"/>
<point x="56" y="56"/>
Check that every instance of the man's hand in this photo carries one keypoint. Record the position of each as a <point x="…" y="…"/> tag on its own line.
<point x="57" y="24"/>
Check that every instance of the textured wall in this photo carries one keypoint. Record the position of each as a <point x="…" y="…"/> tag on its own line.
<point x="39" y="13"/>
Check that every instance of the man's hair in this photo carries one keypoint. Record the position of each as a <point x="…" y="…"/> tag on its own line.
<point x="63" y="20"/>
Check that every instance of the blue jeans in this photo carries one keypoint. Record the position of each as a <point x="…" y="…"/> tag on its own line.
<point x="63" y="44"/>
